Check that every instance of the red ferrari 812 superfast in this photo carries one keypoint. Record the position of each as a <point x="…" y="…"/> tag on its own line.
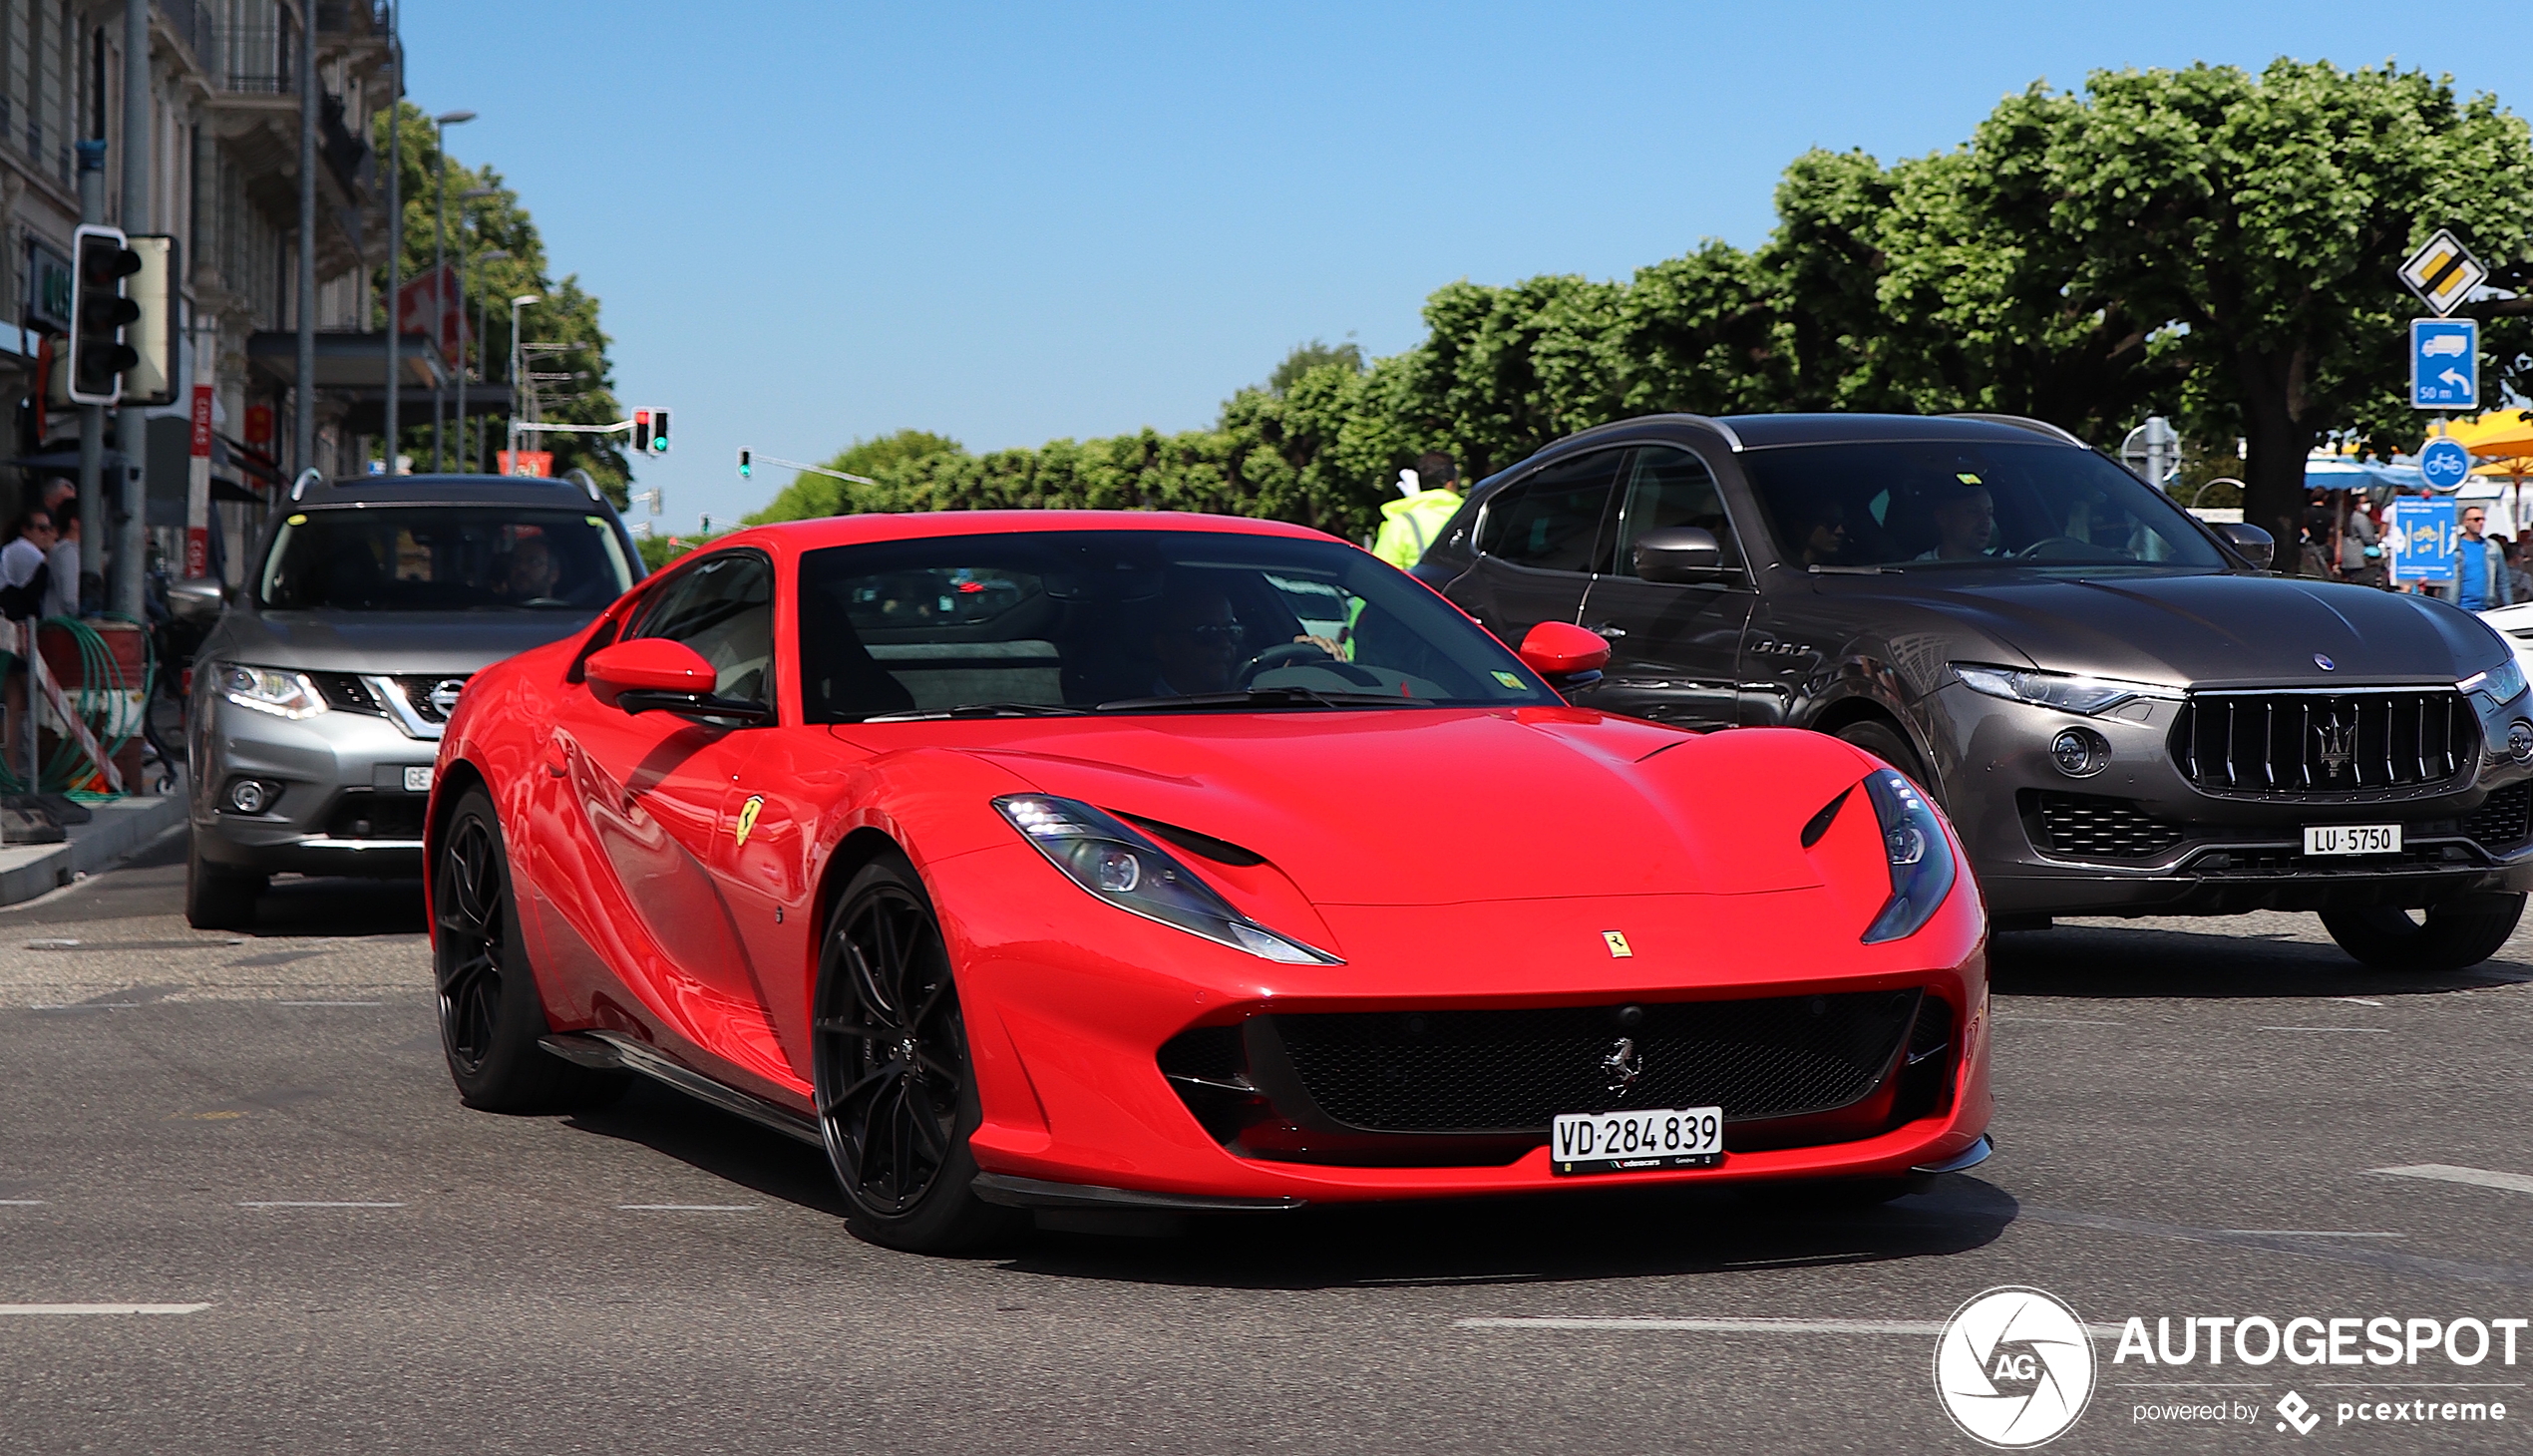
<point x="1133" y="861"/>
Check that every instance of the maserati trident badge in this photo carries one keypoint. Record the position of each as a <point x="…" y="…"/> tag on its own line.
<point x="2336" y="751"/>
<point x="1620" y="1068"/>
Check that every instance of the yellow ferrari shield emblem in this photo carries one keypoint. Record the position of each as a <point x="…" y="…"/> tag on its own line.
<point x="1617" y="943"/>
<point x="747" y="816"/>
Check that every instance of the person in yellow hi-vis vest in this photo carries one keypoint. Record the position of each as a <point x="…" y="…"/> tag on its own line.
<point x="1410" y="525"/>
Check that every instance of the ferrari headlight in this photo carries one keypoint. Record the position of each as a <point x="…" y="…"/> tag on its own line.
<point x="1121" y="865"/>
<point x="2502" y="684"/>
<point x="1919" y="851"/>
<point x="271" y="690"/>
<point x="2069" y="691"/>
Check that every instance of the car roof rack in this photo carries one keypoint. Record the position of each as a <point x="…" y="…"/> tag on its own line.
<point x="2023" y="421"/>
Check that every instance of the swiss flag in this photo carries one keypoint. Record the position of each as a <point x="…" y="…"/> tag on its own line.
<point x="413" y="312"/>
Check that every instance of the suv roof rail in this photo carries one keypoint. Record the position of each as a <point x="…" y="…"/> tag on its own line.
<point x="309" y="477"/>
<point x="2021" y="422"/>
<point x="580" y="477"/>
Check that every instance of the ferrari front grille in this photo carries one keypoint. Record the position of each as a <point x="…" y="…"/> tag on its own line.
<point x="1512" y="1071"/>
<point x="2394" y="743"/>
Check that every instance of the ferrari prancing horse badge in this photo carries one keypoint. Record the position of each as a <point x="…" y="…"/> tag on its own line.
<point x="747" y="816"/>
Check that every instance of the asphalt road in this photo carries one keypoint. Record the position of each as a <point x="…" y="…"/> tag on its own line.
<point x="261" y="1126"/>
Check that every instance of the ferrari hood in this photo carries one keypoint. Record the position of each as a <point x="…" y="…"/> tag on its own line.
<point x="2218" y="631"/>
<point x="1447" y="806"/>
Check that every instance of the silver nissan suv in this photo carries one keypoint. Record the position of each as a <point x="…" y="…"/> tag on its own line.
<point x="318" y="701"/>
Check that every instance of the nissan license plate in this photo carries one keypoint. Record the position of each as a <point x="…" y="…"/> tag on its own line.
<point x="1625" y="1142"/>
<point x="2352" y="838"/>
<point x="417" y="781"/>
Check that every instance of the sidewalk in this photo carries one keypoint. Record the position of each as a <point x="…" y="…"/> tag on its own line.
<point x="114" y="831"/>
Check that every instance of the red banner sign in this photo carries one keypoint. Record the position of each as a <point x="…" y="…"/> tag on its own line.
<point x="526" y="462"/>
<point x="414" y="309"/>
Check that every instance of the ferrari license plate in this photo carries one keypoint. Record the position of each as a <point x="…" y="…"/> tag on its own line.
<point x="1623" y="1142"/>
<point x="2352" y="838"/>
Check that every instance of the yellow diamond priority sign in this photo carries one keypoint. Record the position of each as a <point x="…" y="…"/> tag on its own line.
<point x="2443" y="272"/>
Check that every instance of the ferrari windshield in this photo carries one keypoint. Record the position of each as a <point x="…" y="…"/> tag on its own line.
<point x="1926" y="505"/>
<point x="443" y="559"/>
<point x="1133" y="621"/>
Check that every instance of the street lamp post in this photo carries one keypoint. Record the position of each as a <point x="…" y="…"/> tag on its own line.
<point x="439" y="267"/>
<point x="522" y="301"/>
<point x="483" y="320"/>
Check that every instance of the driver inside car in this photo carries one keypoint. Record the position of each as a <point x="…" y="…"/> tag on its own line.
<point x="1965" y="525"/>
<point x="1198" y="645"/>
<point x="531" y="571"/>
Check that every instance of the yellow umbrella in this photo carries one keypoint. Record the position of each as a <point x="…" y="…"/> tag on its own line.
<point x="2500" y="433"/>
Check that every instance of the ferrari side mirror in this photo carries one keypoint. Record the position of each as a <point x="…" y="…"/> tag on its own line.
<point x="647" y="665"/>
<point x="1565" y="654"/>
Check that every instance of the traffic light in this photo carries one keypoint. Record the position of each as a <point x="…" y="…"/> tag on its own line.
<point x="745" y="468"/>
<point x="99" y="312"/>
<point x="659" y="432"/>
<point x="641" y="432"/>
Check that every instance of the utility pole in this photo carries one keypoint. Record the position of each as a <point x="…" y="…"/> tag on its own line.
<point x="131" y="429"/>
<point x="439" y="272"/>
<point x="303" y="396"/>
<point x="92" y="418"/>
<point x="395" y="216"/>
<point x="475" y="458"/>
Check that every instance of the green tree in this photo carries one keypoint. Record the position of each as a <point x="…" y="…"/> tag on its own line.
<point x="1317" y="354"/>
<point x="568" y="316"/>
<point x="898" y="457"/>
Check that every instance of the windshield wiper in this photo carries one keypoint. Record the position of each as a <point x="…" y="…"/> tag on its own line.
<point x="979" y="710"/>
<point x="1262" y="697"/>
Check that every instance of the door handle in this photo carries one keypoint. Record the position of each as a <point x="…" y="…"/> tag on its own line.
<point x="1611" y="631"/>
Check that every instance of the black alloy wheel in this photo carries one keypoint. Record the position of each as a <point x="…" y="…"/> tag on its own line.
<point x="897" y="1098"/>
<point x="490" y="1016"/>
<point x="2454" y="935"/>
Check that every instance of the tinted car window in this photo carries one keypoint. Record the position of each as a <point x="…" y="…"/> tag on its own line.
<point x="1942" y="504"/>
<point x="1552" y="522"/>
<point x="1080" y="619"/>
<point x="723" y="607"/>
<point x="1667" y="488"/>
<point x="443" y="559"/>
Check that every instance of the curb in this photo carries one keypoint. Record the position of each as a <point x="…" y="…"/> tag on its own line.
<point x="117" y="828"/>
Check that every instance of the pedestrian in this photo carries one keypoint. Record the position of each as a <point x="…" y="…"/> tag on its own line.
<point x="2481" y="567"/>
<point x="61" y="597"/>
<point x="2519" y="580"/>
<point x="25" y="578"/>
<point x="1431" y="497"/>
<point x="2361" y="548"/>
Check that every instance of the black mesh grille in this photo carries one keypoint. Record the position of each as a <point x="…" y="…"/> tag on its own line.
<point x="2299" y="744"/>
<point x="419" y="686"/>
<point x="2289" y="860"/>
<point x="364" y="814"/>
<point x="2092" y="827"/>
<point x="345" y="692"/>
<point x="1500" y="1071"/>
<point x="2502" y="818"/>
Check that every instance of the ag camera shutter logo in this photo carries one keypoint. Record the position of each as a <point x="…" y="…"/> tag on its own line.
<point x="2014" y="1367"/>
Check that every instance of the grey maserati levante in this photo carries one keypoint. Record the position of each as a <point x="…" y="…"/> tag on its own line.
<point x="316" y="704"/>
<point x="2123" y="710"/>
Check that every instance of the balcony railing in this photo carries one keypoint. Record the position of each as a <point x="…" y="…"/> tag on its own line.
<point x="254" y="59"/>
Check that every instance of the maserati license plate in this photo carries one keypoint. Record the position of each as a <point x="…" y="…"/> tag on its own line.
<point x="1623" y="1142"/>
<point x="2352" y="838"/>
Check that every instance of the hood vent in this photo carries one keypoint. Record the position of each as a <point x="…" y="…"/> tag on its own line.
<point x="1204" y="845"/>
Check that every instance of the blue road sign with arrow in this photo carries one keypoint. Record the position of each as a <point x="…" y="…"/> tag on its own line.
<point x="2445" y="363"/>
<point x="2445" y="463"/>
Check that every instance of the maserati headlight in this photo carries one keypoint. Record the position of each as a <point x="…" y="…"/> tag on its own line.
<point x="2500" y="684"/>
<point x="2069" y="691"/>
<point x="1121" y="865"/>
<point x="1919" y="851"/>
<point x="273" y="690"/>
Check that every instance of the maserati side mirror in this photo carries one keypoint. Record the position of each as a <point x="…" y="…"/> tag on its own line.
<point x="1679" y="553"/>
<point x="2250" y="542"/>
<point x="1565" y="654"/>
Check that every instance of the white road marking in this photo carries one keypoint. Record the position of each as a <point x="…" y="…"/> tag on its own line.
<point x="686" y="1208"/>
<point x="1728" y="1327"/>
<point x="2053" y="1021"/>
<point x="103" y="1308"/>
<point x="2476" y="1177"/>
<point x="85" y="1006"/>
<point x="2375" y="1030"/>
<point x="2358" y="1001"/>
<point x="2311" y="1233"/>
<point x="329" y="1003"/>
<point x="21" y="1203"/>
<point x="293" y="1204"/>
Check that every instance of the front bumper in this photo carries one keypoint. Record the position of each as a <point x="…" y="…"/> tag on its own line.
<point x="343" y="809"/>
<point x="1067" y="1031"/>
<point x="2138" y="839"/>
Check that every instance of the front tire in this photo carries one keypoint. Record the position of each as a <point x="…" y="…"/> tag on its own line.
<point x="490" y="1016"/>
<point x="2454" y="935"/>
<point x="897" y="1093"/>
<point x="219" y="897"/>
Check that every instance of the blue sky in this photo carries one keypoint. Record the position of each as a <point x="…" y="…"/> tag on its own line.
<point x="809" y="222"/>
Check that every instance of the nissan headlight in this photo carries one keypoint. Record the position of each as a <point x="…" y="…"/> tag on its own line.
<point x="1121" y="865"/>
<point x="282" y="693"/>
<point x="2066" y="691"/>
<point x="1919" y="853"/>
<point x="2503" y="683"/>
